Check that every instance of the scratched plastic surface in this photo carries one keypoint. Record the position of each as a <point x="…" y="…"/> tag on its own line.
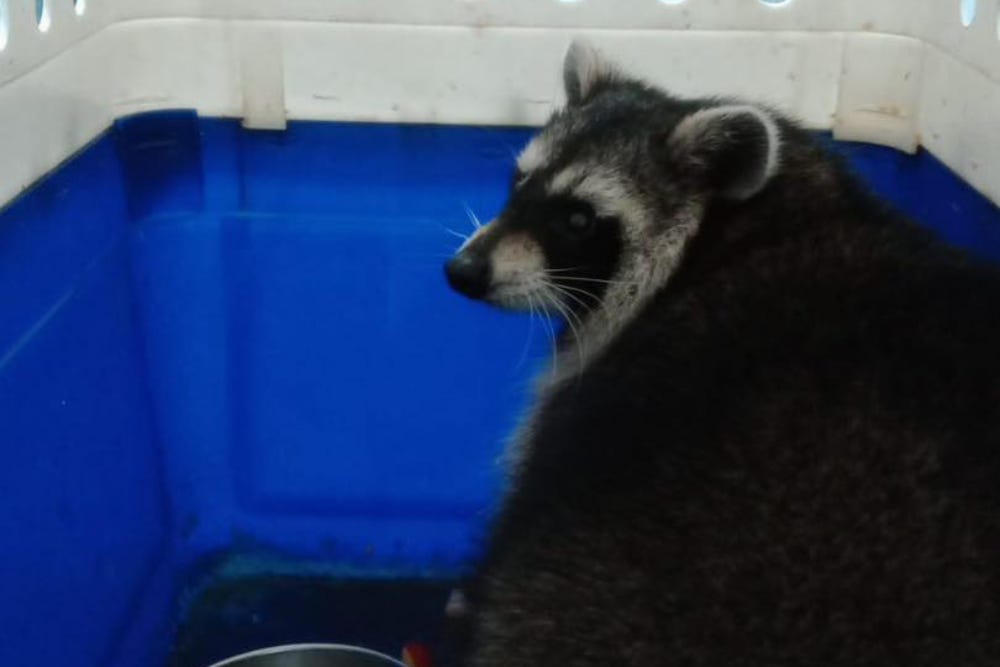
<point x="220" y="345"/>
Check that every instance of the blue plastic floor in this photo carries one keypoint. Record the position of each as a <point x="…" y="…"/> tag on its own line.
<point x="232" y="352"/>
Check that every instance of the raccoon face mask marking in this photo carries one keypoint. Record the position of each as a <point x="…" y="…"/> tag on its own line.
<point x="606" y="196"/>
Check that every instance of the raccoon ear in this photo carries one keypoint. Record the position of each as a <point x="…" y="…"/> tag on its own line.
<point x="583" y="68"/>
<point x="732" y="150"/>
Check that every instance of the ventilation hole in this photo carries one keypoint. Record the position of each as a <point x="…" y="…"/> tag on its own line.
<point x="42" y="15"/>
<point x="968" y="12"/>
<point x="79" y="6"/>
<point x="4" y="24"/>
<point x="775" y="3"/>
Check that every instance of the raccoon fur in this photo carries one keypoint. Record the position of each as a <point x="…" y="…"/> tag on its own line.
<point x="771" y="435"/>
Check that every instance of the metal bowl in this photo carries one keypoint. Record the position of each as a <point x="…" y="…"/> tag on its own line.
<point x="311" y="655"/>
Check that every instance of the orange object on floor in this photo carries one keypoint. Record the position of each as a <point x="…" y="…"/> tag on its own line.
<point x="416" y="655"/>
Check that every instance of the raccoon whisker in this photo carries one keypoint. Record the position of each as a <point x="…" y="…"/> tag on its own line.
<point x="571" y="314"/>
<point x="565" y="311"/>
<point x="531" y="330"/>
<point x="464" y="237"/>
<point x="587" y="308"/>
<point x="550" y="288"/>
<point x="473" y="218"/>
<point x="600" y="281"/>
<point x="552" y="336"/>
<point x="577" y="289"/>
<point x="576" y="293"/>
<point x="572" y="292"/>
<point x="555" y="273"/>
<point x="569" y="317"/>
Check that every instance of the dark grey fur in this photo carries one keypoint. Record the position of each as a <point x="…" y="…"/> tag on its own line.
<point x="789" y="455"/>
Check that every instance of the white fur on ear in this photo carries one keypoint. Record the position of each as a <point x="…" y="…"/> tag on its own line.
<point x="583" y="67"/>
<point x="745" y="140"/>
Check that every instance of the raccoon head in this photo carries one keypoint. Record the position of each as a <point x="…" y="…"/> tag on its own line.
<point x="605" y="197"/>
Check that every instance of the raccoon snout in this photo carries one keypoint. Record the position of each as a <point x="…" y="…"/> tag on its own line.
<point x="469" y="273"/>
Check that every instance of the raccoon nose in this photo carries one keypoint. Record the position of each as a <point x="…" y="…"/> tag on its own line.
<point x="469" y="273"/>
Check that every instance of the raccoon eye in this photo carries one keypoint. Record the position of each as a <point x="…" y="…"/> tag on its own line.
<point x="579" y="222"/>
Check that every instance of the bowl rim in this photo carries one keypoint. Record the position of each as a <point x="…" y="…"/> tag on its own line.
<point x="284" y="648"/>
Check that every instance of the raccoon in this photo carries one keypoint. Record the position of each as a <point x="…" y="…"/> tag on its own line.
<point x="771" y="432"/>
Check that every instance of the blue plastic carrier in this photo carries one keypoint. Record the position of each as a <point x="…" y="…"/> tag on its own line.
<point x="226" y="352"/>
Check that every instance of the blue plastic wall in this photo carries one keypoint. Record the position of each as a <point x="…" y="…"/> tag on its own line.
<point x="320" y="388"/>
<point x="217" y="342"/>
<point x="83" y="511"/>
